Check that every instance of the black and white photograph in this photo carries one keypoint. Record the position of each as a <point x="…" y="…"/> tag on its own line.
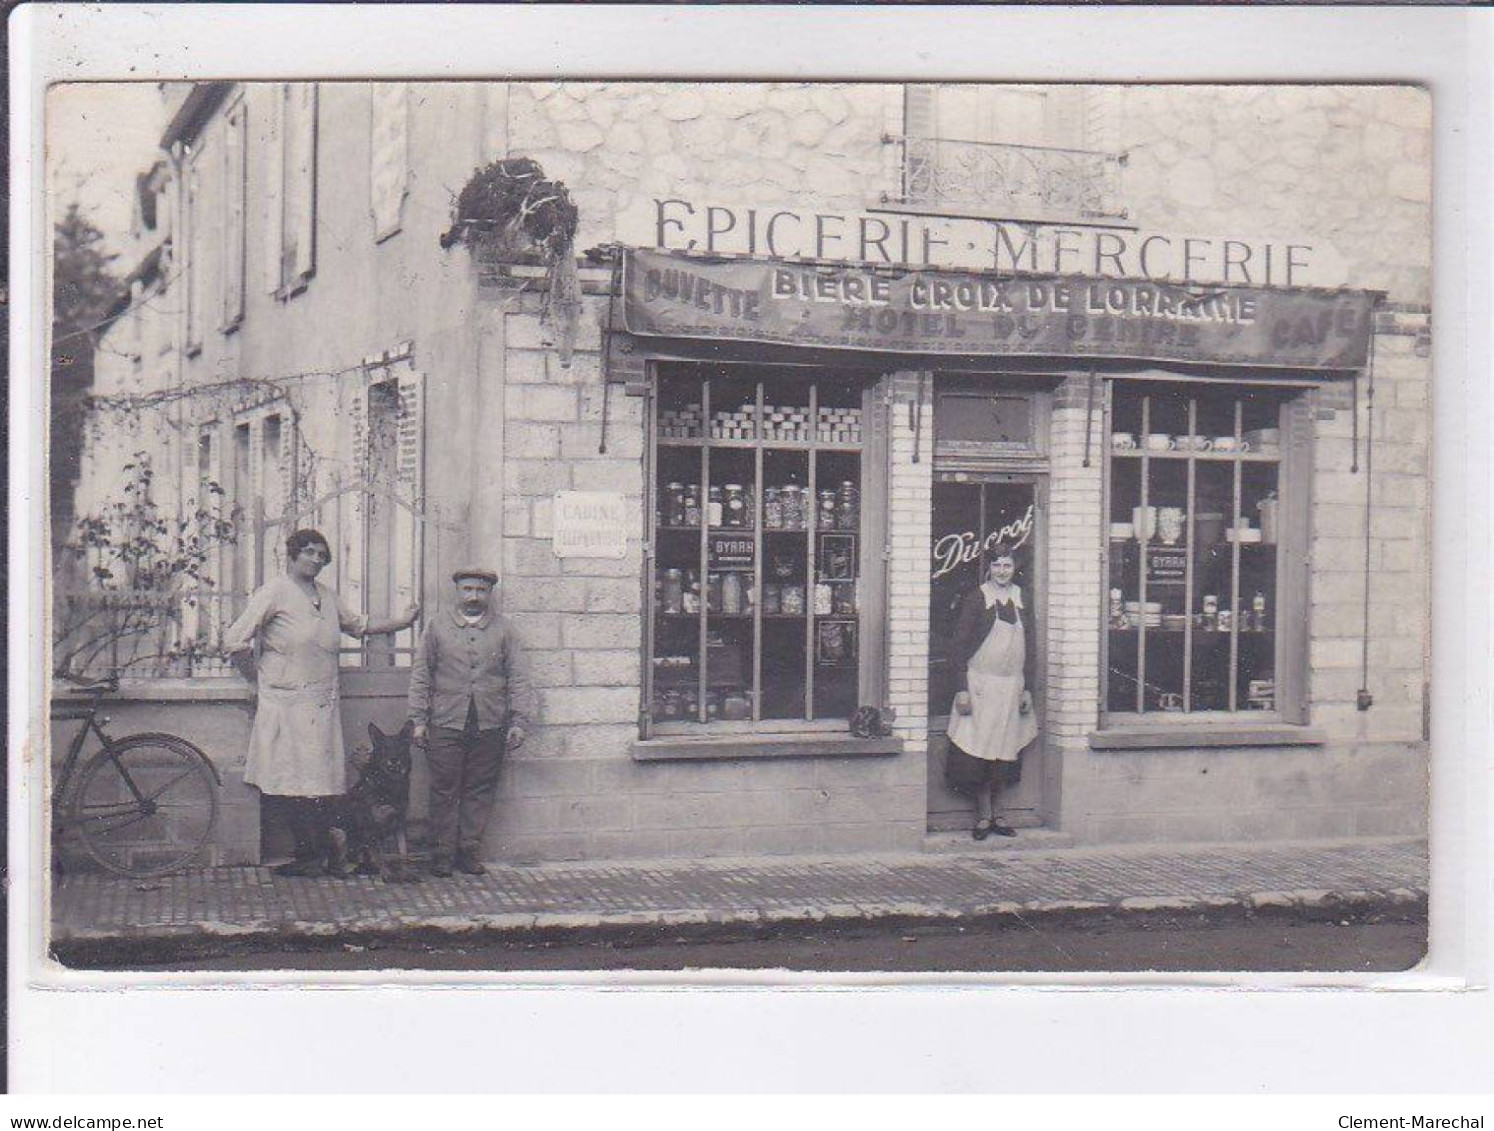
<point x="825" y="526"/>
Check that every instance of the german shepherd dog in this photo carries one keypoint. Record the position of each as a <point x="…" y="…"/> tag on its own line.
<point x="374" y="812"/>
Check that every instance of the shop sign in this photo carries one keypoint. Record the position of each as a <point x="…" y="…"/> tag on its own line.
<point x="730" y="551"/>
<point x="590" y="524"/>
<point x="901" y="239"/>
<point x="926" y="312"/>
<point x="1166" y="567"/>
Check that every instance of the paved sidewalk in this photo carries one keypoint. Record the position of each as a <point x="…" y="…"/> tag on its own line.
<point x="581" y="899"/>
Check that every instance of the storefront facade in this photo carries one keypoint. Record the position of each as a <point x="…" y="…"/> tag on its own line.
<point x="814" y="381"/>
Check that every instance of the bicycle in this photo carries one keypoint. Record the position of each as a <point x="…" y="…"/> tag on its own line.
<point x="144" y="805"/>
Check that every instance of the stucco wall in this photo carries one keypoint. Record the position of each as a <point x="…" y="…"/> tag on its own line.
<point x="1346" y="165"/>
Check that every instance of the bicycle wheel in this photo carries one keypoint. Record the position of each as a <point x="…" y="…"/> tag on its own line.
<point x="145" y="805"/>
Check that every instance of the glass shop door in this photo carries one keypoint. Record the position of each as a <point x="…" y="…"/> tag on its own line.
<point x="973" y="514"/>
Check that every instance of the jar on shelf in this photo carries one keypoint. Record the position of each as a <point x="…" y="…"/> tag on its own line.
<point x="848" y="506"/>
<point x="772" y="509"/>
<point x="731" y="594"/>
<point x="735" y="506"/>
<point x="692" y="505"/>
<point x="673" y="598"/>
<point x="714" y="507"/>
<point x="791" y="600"/>
<point x="825" y="520"/>
<point x="674" y="505"/>
<point x="690" y="602"/>
<point x="824" y="602"/>
<point x="772" y="600"/>
<point x="791" y="500"/>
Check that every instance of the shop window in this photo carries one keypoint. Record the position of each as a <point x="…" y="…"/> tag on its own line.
<point x="765" y="581"/>
<point x="1205" y="572"/>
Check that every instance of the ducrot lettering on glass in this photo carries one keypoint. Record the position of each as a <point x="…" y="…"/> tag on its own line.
<point x="966" y="546"/>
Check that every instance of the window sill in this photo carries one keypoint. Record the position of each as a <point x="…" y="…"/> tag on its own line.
<point x="726" y="747"/>
<point x="1204" y="735"/>
<point x="165" y="689"/>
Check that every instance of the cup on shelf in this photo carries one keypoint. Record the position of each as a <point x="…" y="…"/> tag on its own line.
<point x="1123" y="441"/>
<point x="1230" y="444"/>
<point x="1144" y="522"/>
<point x="1170" y="525"/>
<point x="1194" y="444"/>
<point x="1159" y="442"/>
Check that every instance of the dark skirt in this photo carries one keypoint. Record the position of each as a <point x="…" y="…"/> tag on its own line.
<point x="966" y="772"/>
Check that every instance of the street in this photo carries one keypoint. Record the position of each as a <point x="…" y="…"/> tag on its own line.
<point x="1372" y="941"/>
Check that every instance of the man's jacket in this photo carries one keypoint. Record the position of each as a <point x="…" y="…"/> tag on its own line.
<point x="481" y="663"/>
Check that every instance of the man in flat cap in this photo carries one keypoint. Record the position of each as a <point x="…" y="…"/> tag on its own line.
<point x="470" y="702"/>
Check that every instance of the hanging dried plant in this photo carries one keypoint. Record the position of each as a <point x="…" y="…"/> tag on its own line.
<point x="509" y="206"/>
<point x="511" y="212"/>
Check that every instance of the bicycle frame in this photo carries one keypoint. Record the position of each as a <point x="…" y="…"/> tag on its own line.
<point x="88" y="716"/>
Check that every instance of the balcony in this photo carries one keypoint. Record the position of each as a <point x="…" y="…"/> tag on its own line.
<point x="1011" y="182"/>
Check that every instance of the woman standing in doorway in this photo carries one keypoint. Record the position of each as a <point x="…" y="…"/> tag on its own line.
<point x="296" y="746"/>
<point x="992" y="718"/>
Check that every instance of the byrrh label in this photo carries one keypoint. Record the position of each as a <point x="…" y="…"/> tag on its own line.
<point x="901" y="240"/>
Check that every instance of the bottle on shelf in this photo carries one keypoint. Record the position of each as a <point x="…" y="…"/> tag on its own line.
<point x="673" y="600"/>
<point x="825" y="520"/>
<point x="714" y="510"/>
<point x="735" y="504"/>
<point x="847" y="505"/>
<point x="731" y="594"/>
<point x="772" y="508"/>
<point x="674" y="505"/>
<point x="692" y="505"/>
<point x="1258" y="612"/>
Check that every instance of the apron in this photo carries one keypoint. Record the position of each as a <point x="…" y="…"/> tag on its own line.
<point x="296" y="744"/>
<point x="995" y="729"/>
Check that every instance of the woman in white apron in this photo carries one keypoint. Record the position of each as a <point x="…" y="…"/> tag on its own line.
<point x="296" y="747"/>
<point x="992" y="718"/>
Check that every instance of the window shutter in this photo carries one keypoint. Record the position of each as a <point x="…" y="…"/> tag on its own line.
<point x="235" y="191"/>
<point x="918" y="110"/>
<point x="274" y="188"/>
<point x="409" y="526"/>
<point x="389" y="156"/>
<point x="1293" y="581"/>
<point x="305" y="172"/>
<point x="353" y="444"/>
<point x="195" y="245"/>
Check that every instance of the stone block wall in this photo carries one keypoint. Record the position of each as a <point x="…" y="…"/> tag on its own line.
<point x="614" y="144"/>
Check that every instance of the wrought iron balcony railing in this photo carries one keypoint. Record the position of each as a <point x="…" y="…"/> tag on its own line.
<point x="1012" y="181"/>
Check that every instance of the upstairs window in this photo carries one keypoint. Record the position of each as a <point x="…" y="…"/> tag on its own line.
<point x="1007" y="152"/>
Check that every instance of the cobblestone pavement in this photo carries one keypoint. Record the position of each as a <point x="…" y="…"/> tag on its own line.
<point x="250" y="901"/>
